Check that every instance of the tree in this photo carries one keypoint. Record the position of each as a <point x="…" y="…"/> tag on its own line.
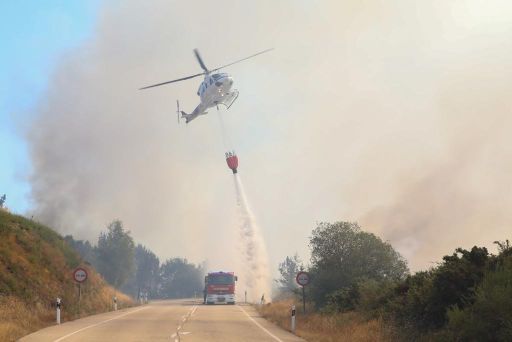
<point x="2" y="200"/>
<point x="147" y="273"/>
<point x="179" y="279"/>
<point x="424" y="299"/>
<point x="115" y="254"/>
<point x="489" y="316"/>
<point x="288" y="270"/>
<point x="84" y="249"/>
<point x="342" y="255"/>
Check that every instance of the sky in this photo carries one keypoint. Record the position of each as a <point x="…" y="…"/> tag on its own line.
<point x="34" y="36"/>
<point x="394" y="114"/>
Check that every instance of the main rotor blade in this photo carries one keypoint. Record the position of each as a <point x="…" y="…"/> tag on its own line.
<point x="179" y="79"/>
<point x="200" y="60"/>
<point x="243" y="59"/>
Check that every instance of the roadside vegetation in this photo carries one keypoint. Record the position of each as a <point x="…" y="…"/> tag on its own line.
<point x="36" y="266"/>
<point x="136" y="270"/>
<point x="361" y="290"/>
<point x="317" y="325"/>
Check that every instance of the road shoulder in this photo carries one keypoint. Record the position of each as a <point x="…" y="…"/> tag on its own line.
<point x="274" y="331"/>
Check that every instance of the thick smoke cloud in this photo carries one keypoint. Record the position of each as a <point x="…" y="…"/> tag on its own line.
<point x="395" y="115"/>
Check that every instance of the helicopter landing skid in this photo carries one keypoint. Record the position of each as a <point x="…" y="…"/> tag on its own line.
<point x="229" y="99"/>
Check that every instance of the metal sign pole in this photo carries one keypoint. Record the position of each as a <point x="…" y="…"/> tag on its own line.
<point x="303" y="279"/>
<point x="303" y="300"/>
<point x="80" y="275"/>
<point x="79" y="297"/>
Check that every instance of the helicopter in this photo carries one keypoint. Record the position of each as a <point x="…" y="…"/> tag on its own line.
<point x="216" y="88"/>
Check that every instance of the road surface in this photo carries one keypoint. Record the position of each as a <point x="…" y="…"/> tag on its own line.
<point x="177" y="320"/>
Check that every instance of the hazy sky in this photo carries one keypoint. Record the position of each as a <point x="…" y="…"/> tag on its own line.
<point x="34" y="34"/>
<point x="395" y="114"/>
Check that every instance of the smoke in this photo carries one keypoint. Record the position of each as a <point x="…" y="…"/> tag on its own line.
<point x="396" y="115"/>
<point x="461" y="198"/>
<point x="256" y="274"/>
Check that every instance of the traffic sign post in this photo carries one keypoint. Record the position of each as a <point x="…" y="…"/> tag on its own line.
<point x="80" y="275"/>
<point x="303" y="280"/>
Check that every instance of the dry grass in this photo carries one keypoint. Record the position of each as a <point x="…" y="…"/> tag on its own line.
<point x="328" y="327"/>
<point x="35" y="267"/>
<point x="18" y="319"/>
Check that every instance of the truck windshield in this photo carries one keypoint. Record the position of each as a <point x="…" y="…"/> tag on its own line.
<point x="223" y="279"/>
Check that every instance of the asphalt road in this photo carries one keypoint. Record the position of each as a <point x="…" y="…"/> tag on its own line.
<point x="183" y="320"/>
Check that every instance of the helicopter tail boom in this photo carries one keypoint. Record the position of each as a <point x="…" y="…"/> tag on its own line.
<point x="188" y="117"/>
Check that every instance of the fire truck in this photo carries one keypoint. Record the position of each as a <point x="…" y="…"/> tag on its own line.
<point x="219" y="287"/>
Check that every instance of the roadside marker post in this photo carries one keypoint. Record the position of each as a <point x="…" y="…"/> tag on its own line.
<point x="293" y="319"/>
<point x="115" y="303"/>
<point x="58" y="305"/>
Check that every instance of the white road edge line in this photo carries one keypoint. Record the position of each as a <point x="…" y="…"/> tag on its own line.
<point x="259" y="325"/>
<point x="96" y="324"/>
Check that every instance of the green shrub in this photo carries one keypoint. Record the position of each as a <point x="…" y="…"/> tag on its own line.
<point x="424" y="299"/>
<point x="489" y="317"/>
<point x="368" y="296"/>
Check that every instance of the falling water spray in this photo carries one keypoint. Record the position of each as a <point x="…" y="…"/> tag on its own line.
<point x="252" y="254"/>
<point x="255" y="274"/>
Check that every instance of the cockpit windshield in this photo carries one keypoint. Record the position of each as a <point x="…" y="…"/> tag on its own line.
<point x="219" y="75"/>
<point x="221" y="279"/>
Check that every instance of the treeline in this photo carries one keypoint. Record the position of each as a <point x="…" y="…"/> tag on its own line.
<point x="466" y="297"/>
<point x="135" y="269"/>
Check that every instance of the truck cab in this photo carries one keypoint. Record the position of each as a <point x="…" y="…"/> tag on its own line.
<point x="220" y="287"/>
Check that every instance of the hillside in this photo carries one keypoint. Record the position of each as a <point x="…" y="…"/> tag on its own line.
<point x="36" y="266"/>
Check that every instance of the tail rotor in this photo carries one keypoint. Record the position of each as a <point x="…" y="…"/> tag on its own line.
<point x="178" y="110"/>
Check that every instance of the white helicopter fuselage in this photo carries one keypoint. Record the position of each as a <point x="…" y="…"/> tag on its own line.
<point x="215" y="90"/>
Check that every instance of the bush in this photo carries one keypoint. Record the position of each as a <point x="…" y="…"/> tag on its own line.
<point x="367" y="296"/>
<point x="424" y="298"/>
<point x="489" y="317"/>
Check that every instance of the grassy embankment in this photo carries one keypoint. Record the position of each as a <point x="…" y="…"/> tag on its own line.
<point x="314" y="326"/>
<point x="36" y="266"/>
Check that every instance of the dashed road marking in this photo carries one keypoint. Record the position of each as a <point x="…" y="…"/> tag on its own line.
<point x="184" y="319"/>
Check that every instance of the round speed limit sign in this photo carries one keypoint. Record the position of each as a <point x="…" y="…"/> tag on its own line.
<point x="302" y="278"/>
<point x="80" y="275"/>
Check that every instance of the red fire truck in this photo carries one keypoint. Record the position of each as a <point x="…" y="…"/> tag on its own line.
<point x="219" y="287"/>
